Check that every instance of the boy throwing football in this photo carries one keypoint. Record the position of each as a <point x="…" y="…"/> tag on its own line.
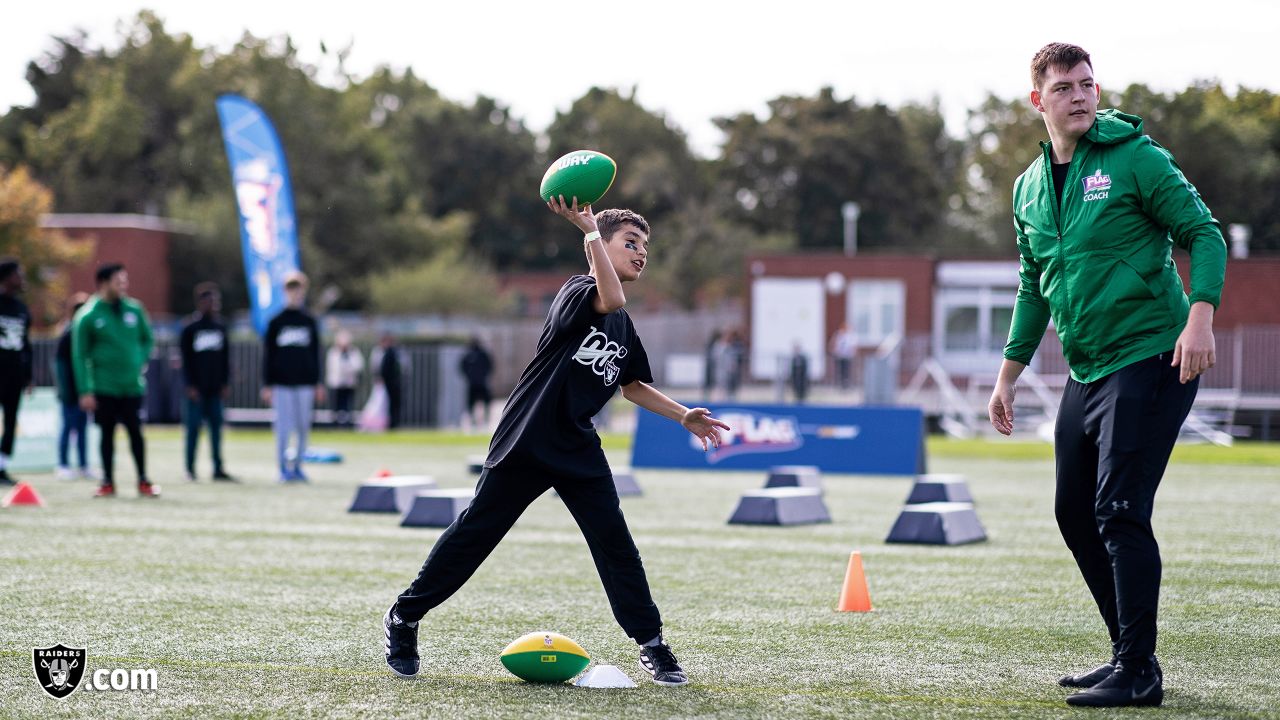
<point x="545" y="439"/>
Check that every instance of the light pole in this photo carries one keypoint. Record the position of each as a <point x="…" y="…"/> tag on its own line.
<point x="851" y="210"/>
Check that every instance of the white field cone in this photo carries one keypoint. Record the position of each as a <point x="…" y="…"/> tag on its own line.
<point x="604" y="676"/>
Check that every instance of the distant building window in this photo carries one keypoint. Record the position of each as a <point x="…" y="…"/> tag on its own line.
<point x="876" y="309"/>
<point x="962" y="329"/>
<point x="1001" y="319"/>
<point x="972" y="326"/>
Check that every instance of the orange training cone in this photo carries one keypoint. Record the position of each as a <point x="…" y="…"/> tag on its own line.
<point x="854" y="596"/>
<point x="22" y="494"/>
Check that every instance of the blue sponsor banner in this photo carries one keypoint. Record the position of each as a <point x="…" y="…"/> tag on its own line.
<point x="264" y="197"/>
<point x="867" y="440"/>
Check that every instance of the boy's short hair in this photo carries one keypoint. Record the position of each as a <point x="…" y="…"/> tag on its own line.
<point x="608" y="221"/>
<point x="295" y="279"/>
<point x="1060" y="56"/>
<point x="106" y="271"/>
<point x="206" y="289"/>
<point x="8" y="266"/>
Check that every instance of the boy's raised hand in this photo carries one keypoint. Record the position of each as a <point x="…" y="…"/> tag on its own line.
<point x="699" y="422"/>
<point x="584" y="219"/>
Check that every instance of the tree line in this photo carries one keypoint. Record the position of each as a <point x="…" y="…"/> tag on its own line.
<point x="408" y="201"/>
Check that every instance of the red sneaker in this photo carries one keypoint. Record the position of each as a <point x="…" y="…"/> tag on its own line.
<point x="146" y="489"/>
<point x="105" y="491"/>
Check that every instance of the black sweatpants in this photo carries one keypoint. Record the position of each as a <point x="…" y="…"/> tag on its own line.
<point x="1113" y="440"/>
<point x="502" y="494"/>
<point x="10" y="398"/>
<point x="117" y="410"/>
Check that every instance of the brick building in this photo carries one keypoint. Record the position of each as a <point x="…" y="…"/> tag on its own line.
<point x="143" y="243"/>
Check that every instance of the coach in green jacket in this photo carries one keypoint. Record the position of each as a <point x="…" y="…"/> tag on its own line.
<point x="1097" y="215"/>
<point x="110" y="344"/>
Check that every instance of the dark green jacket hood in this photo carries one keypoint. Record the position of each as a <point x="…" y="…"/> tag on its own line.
<point x="1112" y="126"/>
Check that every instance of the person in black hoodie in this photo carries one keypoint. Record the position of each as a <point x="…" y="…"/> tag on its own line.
<point x="799" y="374"/>
<point x="476" y="367"/>
<point x="291" y="375"/>
<point x="15" y="356"/>
<point x="206" y="374"/>
<point x="390" y="375"/>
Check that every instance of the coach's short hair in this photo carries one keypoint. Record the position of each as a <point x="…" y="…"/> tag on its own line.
<point x="106" y="271"/>
<point x="1059" y="56"/>
<point x="608" y="221"/>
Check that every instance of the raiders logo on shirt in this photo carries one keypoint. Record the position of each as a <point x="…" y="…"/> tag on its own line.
<point x="598" y="352"/>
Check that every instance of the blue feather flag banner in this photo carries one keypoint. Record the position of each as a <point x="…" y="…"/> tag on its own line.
<point x="264" y="198"/>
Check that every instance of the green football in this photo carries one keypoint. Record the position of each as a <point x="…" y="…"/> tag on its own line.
<point x="584" y="174"/>
<point x="544" y="657"/>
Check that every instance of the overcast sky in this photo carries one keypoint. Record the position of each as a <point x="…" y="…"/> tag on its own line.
<point x="697" y="59"/>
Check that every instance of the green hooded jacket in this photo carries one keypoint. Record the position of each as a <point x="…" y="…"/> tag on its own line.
<point x="110" y="346"/>
<point x="1101" y="266"/>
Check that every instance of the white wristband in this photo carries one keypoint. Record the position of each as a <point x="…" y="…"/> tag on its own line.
<point x="593" y="235"/>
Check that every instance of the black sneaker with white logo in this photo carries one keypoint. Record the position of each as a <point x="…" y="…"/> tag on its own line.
<point x="1123" y="688"/>
<point x="401" y="644"/>
<point x="660" y="662"/>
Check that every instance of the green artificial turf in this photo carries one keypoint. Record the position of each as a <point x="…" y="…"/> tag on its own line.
<point x="261" y="600"/>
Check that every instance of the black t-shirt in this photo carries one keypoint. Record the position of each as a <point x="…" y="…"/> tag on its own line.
<point x="206" y="356"/>
<point x="1059" y="179"/>
<point x="583" y="357"/>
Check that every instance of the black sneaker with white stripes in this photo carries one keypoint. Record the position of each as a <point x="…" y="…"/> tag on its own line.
<point x="401" y="644"/>
<point x="660" y="662"/>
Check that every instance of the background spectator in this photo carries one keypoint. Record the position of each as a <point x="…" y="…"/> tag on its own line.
<point x="842" y="347"/>
<point x="477" y="366"/>
<point x="206" y="374"/>
<point x="74" y="419"/>
<point x="799" y="374"/>
<point x="709" y="364"/>
<point x="111" y="342"/>
<point x="15" y="355"/>
<point x="343" y="365"/>
<point x="390" y="377"/>
<point x="291" y="376"/>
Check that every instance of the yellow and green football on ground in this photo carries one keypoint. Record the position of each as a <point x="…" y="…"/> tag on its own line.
<point x="545" y="657"/>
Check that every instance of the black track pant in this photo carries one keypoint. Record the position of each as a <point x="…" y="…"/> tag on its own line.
<point x="10" y="397"/>
<point x="113" y="410"/>
<point x="1113" y="440"/>
<point x="501" y="497"/>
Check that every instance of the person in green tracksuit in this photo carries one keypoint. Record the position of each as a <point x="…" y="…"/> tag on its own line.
<point x="110" y="344"/>
<point x="1096" y="217"/>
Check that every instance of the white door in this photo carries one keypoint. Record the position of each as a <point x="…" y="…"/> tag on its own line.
<point x="786" y="312"/>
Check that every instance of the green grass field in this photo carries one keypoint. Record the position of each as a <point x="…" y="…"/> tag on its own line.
<point x="261" y="600"/>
